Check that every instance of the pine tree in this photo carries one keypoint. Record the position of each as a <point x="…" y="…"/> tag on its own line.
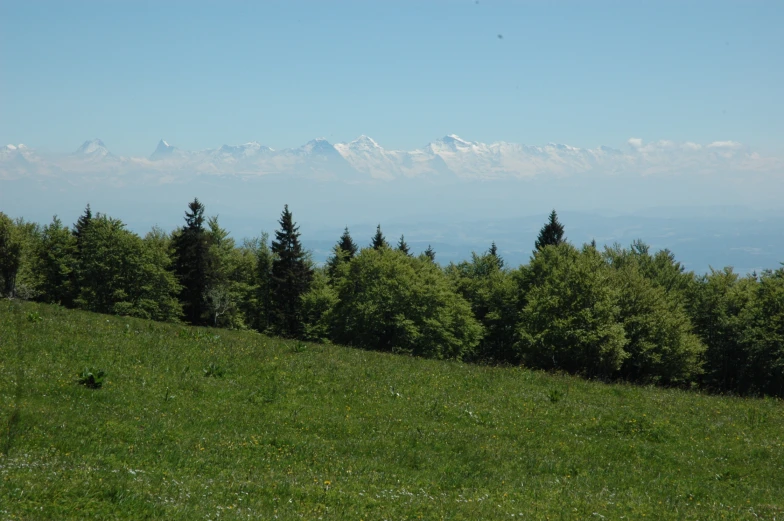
<point x="191" y="262"/>
<point x="291" y="277"/>
<point x="551" y="233"/>
<point x="379" y="241"/>
<point x="430" y="253"/>
<point x="402" y="246"/>
<point x="493" y="252"/>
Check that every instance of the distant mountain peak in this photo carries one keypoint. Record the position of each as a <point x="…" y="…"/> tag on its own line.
<point x="240" y="152"/>
<point x="318" y="145"/>
<point x="363" y="142"/>
<point x="163" y="150"/>
<point x="92" y="148"/>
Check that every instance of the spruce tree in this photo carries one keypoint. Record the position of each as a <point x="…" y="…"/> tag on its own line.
<point x="344" y="250"/>
<point x="378" y="240"/>
<point x="493" y="252"/>
<point x="430" y="253"/>
<point x="79" y="232"/>
<point x="291" y="277"/>
<point x="347" y="244"/>
<point x="80" y="227"/>
<point x="551" y="233"/>
<point x="191" y="263"/>
<point x="402" y="246"/>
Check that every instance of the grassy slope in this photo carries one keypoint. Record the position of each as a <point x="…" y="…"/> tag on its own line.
<point x="328" y="432"/>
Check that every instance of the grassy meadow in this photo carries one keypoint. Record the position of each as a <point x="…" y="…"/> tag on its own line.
<point x="195" y="423"/>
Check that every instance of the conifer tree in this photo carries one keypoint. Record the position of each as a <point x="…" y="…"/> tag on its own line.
<point x="379" y="241"/>
<point x="430" y="253"/>
<point x="493" y="252"/>
<point x="191" y="262"/>
<point x="344" y="250"/>
<point x="291" y="277"/>
<point x="79" y="231"/>
<point x="347" y="244"/>
<point x="80" y="227"/>
<point x="402" y="246"/>
<point x="551" y="233"/>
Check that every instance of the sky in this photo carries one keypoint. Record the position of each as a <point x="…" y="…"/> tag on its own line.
<point x="201" y="74"/>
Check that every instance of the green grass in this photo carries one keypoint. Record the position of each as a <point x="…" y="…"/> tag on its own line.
<point x="195" y="423"/>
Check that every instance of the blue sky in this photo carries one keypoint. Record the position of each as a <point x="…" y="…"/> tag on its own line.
<point x="200" y="74"/>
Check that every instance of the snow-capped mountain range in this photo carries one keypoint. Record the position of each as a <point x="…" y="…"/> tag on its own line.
<point x="364" y="160"/>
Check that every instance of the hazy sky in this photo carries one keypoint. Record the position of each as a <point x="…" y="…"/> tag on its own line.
<point x="200" y="74"/>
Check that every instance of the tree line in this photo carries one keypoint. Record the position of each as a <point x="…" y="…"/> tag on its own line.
<point x="617" y="313"/>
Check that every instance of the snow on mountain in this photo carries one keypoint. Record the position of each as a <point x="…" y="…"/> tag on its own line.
<point x="363" y="160"/>
<point x="20" y="160"/>
<point x="316" y="147"/>
<point x="9" y="151"/>
<point x="165" y="151"/>
<point x="14" y="151"/>
<point x="473" y="160"/>
<point x="368" y="157"/>
<point x="238" y="153"/>
<point x="94" y="149"/>
<point x="317" y="158"/>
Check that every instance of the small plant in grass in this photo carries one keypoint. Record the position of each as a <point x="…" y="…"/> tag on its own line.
<point x="34" y="317"/>
<point x="300" y="347"/>
<point x="555" y="395"/>
<point x="91" y="379"/>
<point x="214" y="371"/>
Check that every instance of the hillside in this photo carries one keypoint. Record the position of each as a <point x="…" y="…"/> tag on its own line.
<point x="288" y="430"/>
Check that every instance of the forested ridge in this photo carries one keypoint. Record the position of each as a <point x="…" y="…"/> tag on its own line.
<point x="617" y="313"/>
